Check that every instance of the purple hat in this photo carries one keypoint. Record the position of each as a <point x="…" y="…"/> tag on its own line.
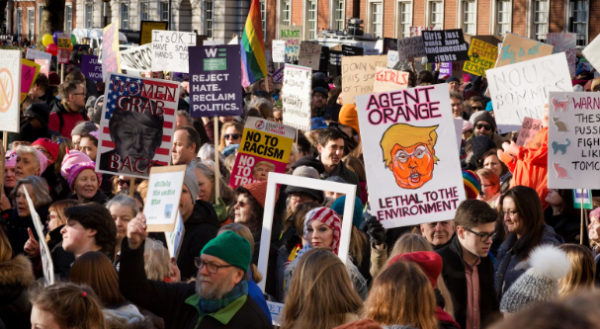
<point x="76" y="169"/>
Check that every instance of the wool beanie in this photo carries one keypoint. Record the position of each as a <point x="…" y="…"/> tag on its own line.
<point x="480" y="145"/>
<point x="306" y="171"/>
<point x="49" y="145"/>
<point x="259" y="192"/>
<point x="466" y="126"/>
<point x="83" y="127"/>
<point x="487" y="117"/>
<point x="77" y="168"/>
<point x="329" y="218"/>
<point x="540" y="283"/>
<point x="231" y="248"/>
<point x="336" y="179"/>
<point x="191" y="182"/>
<point x="42" y="160"/>
<point x="429" y="261"/>
<point x="11" y="160"/>
<point x="472" y="184"/>
<point x="72" y="157"/>
<point x="340" y="203"/>
<point x="320" y="90"/>
<point x="593" y="213"/>
<point x="452" y="79"/>
<point x="349" y="117"/>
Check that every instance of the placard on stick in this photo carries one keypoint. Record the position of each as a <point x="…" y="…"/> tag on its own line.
<point x="162" y="201"/>
<point x="358" y="74"/>
<point x="147" y="28"/>
<point x="111" y="61"/>
<point x="445" y="46"/>
<point x="170" y="50"/>
<point x="137" y="59"/>
<point x="45" y="252"/>
<point x="389" y="80"/>
<point x="10" y="90"/>
<point x="517" y="49"/>
<point x="175" y="238"/>
<point x="295" y="96"/>
<point x="310" y="55"/>
<point x="529" y="128"/>
<point x="410" y="48"/>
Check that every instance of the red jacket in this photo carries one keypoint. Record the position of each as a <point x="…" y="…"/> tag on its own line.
<point x="69" y="120"/>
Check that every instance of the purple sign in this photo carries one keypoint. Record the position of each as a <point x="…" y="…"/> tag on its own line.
<point x="445" y="68"/>
<point x="215" y="81"/>
<point x="278" y="75"/>
<point x="91" y="68"/>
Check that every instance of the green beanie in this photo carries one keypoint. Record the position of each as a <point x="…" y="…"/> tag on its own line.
<point x="230" y="248"/>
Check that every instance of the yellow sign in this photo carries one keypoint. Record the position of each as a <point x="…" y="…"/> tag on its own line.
<point x="29" y="73"/>
<point x="147" y="28"/>
<point x="64" y="43"/>
<point x="266" y="145"/>
<point x="482" y="56"/>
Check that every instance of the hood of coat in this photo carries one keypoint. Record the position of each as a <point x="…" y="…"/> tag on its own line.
<point x="124" y="317"/>
<point x="15" y="276"/>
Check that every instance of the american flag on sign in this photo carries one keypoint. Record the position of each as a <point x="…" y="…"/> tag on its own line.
<point x="137" y="125"/>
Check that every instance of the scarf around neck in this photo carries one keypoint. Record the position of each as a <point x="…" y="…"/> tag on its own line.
<point x="209" y="306"/>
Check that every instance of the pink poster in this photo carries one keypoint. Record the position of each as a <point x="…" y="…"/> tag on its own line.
<point x="529" y="128"/>
<point x="44" y="66"/>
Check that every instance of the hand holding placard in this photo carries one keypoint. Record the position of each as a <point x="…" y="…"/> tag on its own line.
<point x="136" y="231"/>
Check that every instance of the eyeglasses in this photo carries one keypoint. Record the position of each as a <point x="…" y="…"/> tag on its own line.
<point x="477" y="108"/>
<point x="242" y="204"/>
<point x="483" y="237"/>
<point x="279" y="119"/>
<point x="481" y="126"/>
<point x="210" y="267"/>
<point x="232" y="136"/>
<point x="419" y="153"/>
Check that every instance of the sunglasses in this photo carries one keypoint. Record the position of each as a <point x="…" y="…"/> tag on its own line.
<point x="486" y="127"/>
<point x="477" y="108"/>
<point x="242" y="204"/>
<point x="232" y="136"/>
<point x="262" y="93"/>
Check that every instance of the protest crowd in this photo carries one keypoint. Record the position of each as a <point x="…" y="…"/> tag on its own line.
<point x="461" y="214"/>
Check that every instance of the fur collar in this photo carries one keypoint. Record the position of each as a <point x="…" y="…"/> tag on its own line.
<point x="16" y="271"/>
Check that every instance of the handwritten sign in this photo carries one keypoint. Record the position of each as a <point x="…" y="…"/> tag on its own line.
<point x="291" y="35"/>
<point x="410" y="48"/>
<point x="295" y="96"/>
<point x="10" y="90"/>
<point x="161" y="206"/>
<point x="392" y="58"/>
<point x="482" y="56"/>
<point x="29" y="72"/>
<point x="517" y="49"/>
<point x="111" y="61"/>
<point x="278" y="51"/>
<point x="147" y="28"/>
<point x="33" y="54"/>
<point x="358" y="74"/>
<point x="45" y="252"/>
<point x="170" y="50"/>
<point x="561" y="41"/>
<point x="410" y="155"/>
<point x="416" y="31"/>
<point x="520" y="90"/>
<point x="91" y="68"/>
<point x="445" y="46"/>
<point x="389" y="80"/>
<point x="529" y="128"/>
<point x="352" y="51"/>
<point x="310" y="55"/>
<point x="137" y="59"/>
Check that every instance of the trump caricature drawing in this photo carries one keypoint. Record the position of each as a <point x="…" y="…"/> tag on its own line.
<point x="409" y="153"/>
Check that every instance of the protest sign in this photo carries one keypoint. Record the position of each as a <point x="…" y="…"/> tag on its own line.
<point x="573" y="143"/>
<point x="520" y="90"/>
<point x="295" y="96"/>
<point x="458" y="125"/>
<point x="445" y="46"/>
<point x="175" y="238"/>
<point x="278" y="75"/>
<point x="416" y="31"/>
<point x="10" y="90"/>
<point x="392" y="58"/>
<point x="64" y="45"/>
<point x="147" y="28"/>
<point x="265" y="148"/>
<point x="45" y="66"/>
<point x="389" y="80"/>
<point x="170" y="50"/>
<point x="517" y="49"/>
<point x="482" y="56"/>
<point x="572" y="60"/>
<point x="279" y="51"/>
<point x="592" y="53"/>
<point x="358" y="74"/>
<point x="410" y="48"/>
<point x="529" y="128"/>
<point x="587" y="199"/>
<point x="161" y="206"/>
<point x="91" y="68"/>
<point x="29" y="72"/>
<point x="335" y="63"/>
<point x="324" y="60"/>
<point x="137" y="59"/>
<point x="310" y="55"/>
<point x="352" y="51"/>
<point x="111" y="61"/>
<point x="45" y="252"/>
<point x="409" y="144"/>
<point x="137" y="125"/>
<point x="33" y="54"/>
<point x="291" y="35"/>
<point x="561" y="41"/>
<point x="445" y="68"/>
<point x="265" y="242"/>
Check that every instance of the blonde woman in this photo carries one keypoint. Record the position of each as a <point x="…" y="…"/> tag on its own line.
<point x="582" y="272"/>
<point x="231" y="133"/>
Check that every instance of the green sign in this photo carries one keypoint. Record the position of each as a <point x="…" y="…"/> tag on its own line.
<point x="587" y="199"/>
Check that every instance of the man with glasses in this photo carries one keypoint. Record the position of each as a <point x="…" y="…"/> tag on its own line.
<point x="67" y="113"/>
<point x="468" y="271"/>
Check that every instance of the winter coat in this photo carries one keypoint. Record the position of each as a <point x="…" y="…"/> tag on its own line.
<point x="17" y="228"/>
<point x="567" y="226"/>
<point x="124" y="317"/>
<point x="99" y="197"/>
<point x="271" y="283"/>
<point x="344" y="173"/>
<point x="201" y="227"/>
<point x="16" y="276"/>
<point x="170" y="301"/>
<point x="69" y="120"/>
<point x="509" y="265"/>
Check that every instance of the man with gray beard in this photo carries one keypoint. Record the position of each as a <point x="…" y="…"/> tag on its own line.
<point x="217" y="299"/>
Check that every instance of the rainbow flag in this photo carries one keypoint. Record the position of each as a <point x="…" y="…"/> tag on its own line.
<point x="254" y="61"/>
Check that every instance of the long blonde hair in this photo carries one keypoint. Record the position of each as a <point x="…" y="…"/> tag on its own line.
<point x="238" y="126"/>
<point x="245" y="233"/>
<point x="321" y="294"/>
<point x="402" y="294"/>
<point x="582" y="272"/>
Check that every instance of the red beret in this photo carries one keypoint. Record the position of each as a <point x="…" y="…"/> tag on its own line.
<point x="430" y="262"/>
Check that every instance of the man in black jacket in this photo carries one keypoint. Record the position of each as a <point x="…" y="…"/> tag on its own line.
<point x="468" y="272"/>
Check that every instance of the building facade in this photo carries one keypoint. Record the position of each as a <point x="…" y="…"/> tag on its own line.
<point x="24" y="18"/>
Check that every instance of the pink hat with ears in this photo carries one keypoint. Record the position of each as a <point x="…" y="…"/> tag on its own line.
<point x="43" y="162"/>
<point x="11" y="159"/>
<point x="72" y="158"/>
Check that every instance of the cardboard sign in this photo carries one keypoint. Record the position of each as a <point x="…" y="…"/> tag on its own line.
<point x="517" y="49"/>
<point x="64" y="52"/>
<point x="561" y="41"/>
<point x="410" y="48"/>
<point x="520" y="90"/>
<point x="482" y="56"/>
<point x="278" y="51"/>
<point x="170" y="50"/>
<point x="529" y="128"/>
<point x="214" y="81"/>
<point x="45" y="252"/>
<point x="310" y="55"/>
<point x="147" y="28"/>
<point x="265" y="148"/>
<point x="352" y="51"/>
<point x="445" y="46"/>
<point x="161" y="206"/>
<point x="573" y="147"/>
<point x="111" y="61"/>
<point x="587" y="199"/>
<point x="137" y="125"/>
<point x="91" y="68"/>
<point x="291" y="35"/>
<point x="33" y="54"/>
<point x="358" y="75"/>
<point x="10" y="90"/>
<point x="29" y="72"/>
<point x="416" y="31"/>
<point x="278" y="75"/>
<point x="592" y="53"/>
<point x="45" y="66"/>
<point x="409" y="140"/>
<point x="389" y="80"/>
<point x="335" y="63"/>
<point x="295" y="96"/>
<point x="392" y="58"/>
<point x="175" y="239"/>
<point x="137" y="59"/>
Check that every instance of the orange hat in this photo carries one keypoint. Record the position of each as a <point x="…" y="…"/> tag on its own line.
<point x="259" y="192"/>
<point x="349" y="117"/>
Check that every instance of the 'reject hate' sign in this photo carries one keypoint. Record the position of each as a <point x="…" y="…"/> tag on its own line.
<point x="410" y="147"/>
<point x="215" y="76"/>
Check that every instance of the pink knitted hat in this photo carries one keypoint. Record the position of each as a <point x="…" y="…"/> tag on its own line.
<point x="43" y="162"/>
<point x="71" y="158"/>
<point x="329" y="218"/>
<point x="11" y="159"/>
<point x="77" y="168"/>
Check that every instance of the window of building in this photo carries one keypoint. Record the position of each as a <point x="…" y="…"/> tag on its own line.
<point x="469" y="17"/>
<point x="68" y="19"/>
<point x="125" y="16"/>
<point x="405" y="19"/>
<point x="540" y="20"/>
<point x="578" y="17"/>
<point x="208" y="18"/>
<point x="377" y="19"/>
<point x="164" y="11"/>
<point x="19" y="22"/>
<point x="503" y="19"/>
<point x="145" y="11"/>
<point x="340" y="10"/>
<point x="286" y="12"/>
<point x="436" y="15"/>
<point x="40" y="14"/>
<point x="89" y="10"/>
<point x="263" y="17"/>
<point x="31" y="23"/>
<point x="312" y="20"/>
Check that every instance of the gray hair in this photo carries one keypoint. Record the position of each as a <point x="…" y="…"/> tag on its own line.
<point x="226" y="192"/>
<point x="186" y="115"/>
<point x="39" y="189"/>
<point x="156" y="260"/>
<point x="31" y="150"/>
<point x="256" y="102"/>
<point x="125" y="201"/>
<point x="207" y="152"/>
<point x="457" y="95"/>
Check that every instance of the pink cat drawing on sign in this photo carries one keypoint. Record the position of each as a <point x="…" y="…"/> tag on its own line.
<point x="560" y="104"/>
<point x="560" y="171"/>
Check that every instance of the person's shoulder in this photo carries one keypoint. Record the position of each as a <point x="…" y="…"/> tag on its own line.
<point x="253" y="315"/>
